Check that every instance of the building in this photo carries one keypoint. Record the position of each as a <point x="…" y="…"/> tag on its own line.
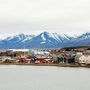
<point x="76" y="48"/>
<point x="84" y="59"/>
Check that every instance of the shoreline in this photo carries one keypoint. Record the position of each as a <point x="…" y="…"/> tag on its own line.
<point x="58" y="65"/>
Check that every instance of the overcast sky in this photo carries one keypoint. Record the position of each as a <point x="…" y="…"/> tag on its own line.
<point x="35" y="16"/>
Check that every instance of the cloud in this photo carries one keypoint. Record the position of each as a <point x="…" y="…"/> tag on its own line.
<point x="64" y="16"/>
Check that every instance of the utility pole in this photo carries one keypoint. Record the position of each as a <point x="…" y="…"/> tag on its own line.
<point x="24" y="48"/>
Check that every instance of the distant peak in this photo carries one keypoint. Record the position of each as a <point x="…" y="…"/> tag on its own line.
<point x="45" y="32"/>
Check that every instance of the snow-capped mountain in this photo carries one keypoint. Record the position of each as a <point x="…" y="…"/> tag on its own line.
<point x="82" y="40"/>
<point x="44" y="40"/>
<point x="84" y="36"/>
<point x="21" y="37"/>
<point x="15" y="41"/>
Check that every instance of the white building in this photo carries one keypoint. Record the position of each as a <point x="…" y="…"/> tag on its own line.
<point x="84" y="59"/>
<point x="18" y="50"/>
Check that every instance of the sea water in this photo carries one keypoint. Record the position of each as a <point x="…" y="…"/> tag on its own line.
<point x="14" y="77"/>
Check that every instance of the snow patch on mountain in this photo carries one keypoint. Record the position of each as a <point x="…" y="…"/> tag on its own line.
<point x="44" y="39"/>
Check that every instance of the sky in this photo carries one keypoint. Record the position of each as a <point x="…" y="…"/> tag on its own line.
<point x="71" y="17"/>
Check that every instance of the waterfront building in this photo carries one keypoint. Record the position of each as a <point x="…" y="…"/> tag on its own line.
<point x="84" y="59"/>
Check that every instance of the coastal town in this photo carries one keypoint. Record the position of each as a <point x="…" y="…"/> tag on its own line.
<point x="67" y="56"/>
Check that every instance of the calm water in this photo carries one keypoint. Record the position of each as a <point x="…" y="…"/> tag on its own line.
<point x="44" y="78"/>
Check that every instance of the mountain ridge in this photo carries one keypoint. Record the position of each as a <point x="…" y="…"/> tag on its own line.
<point x="44" y="40"/>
